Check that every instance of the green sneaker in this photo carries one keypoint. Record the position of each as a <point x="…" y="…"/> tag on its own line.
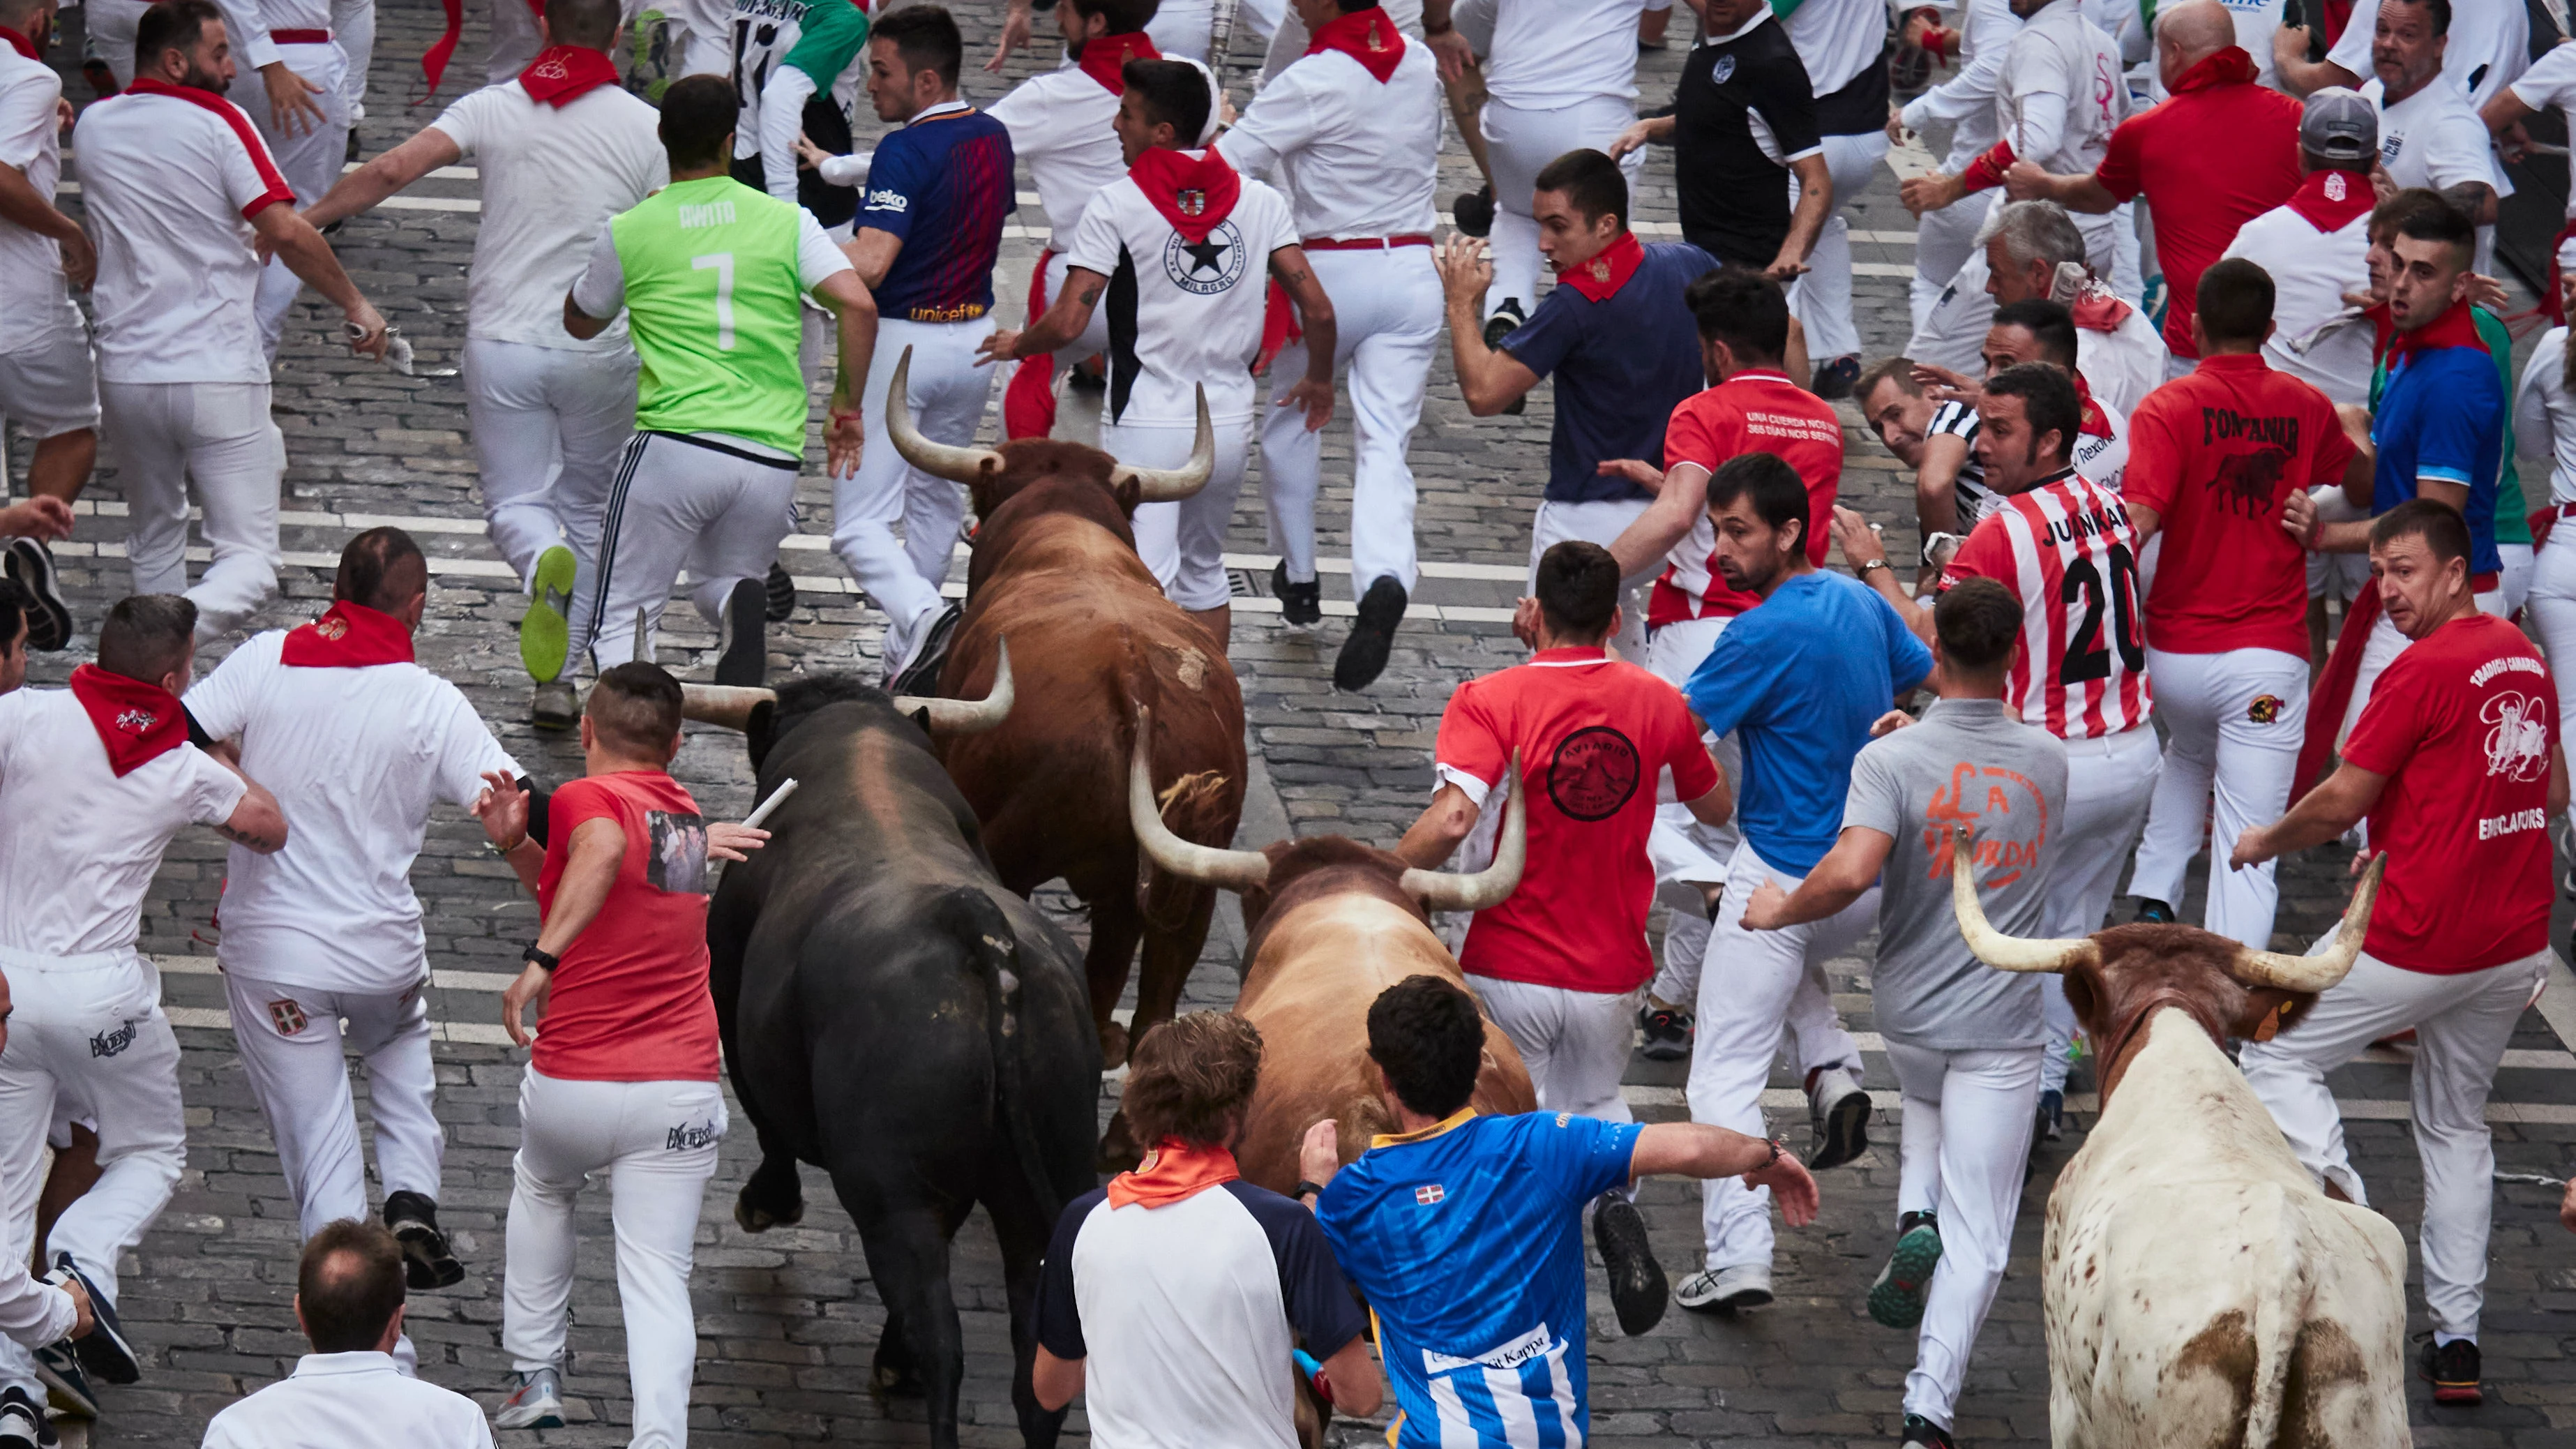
<point x="545" y="631"/>
<point x="1896" y="1299"/>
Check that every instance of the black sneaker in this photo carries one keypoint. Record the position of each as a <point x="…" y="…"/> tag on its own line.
<point x="427" y="1262"/>
<point x="1637" y="1286"/>
<point x="2453" y="1369"/>
<point x="1668" y="1033"/>
<point x="1922" y="1433"/>
<point x="1474" y="212"/>
<point x="745" y="660"/>
<point x="103" y="1352"/>
<point x="779" y="597"/>
<point x="2052" y="1119"/>
<point x="58" y="1368"/>
<point x="1372" y="635"/>
<point x="921" y="676"/>
<point x="1835" y="378"/>
<point x="2153" y="912"/>
<point x="1301" y="606"/>
<point x="22" y="1421"/>
<point x="49" y="624"/>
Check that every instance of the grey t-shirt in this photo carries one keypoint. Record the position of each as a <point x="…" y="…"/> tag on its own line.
<point x="1969" y="763"/>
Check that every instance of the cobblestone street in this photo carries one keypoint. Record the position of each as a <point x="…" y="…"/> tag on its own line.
<point x="788" y="1320"/>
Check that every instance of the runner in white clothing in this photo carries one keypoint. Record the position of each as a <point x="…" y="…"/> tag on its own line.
<point x="292" y="81"/>
<point x="1842" y="43"/>
<point x="2489" y="46"/>
<point x="562" y="148"/>
<point x="324" y="938"/>
<point x="179" y="188"/>
<point x="1945" y="239"/>
<point x="2430" y="134"/>
<point x="94" y="782"/>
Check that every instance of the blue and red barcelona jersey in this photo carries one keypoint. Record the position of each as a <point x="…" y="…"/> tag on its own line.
<point x="942" y="185"/>
<point x="1467" y="1240"/>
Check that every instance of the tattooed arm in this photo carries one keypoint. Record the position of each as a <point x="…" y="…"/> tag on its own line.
<point x="1313" y="394"/>
<point x="1061" y="325"/>
<point x="256" y="823"/>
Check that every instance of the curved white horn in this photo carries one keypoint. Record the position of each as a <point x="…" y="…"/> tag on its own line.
<point x="1235" y="870"/>
<point x="1170" y="485"/>
<point x="970" y="716"/>
<point x="940" y="460"/>
<point x="726" y="705"/>
<point x="2004" y="953"/>
<point x="2285" y="972"/>
<point x="1487" y="888"/>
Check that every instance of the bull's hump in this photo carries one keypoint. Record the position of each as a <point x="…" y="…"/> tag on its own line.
<point x="1341" y="944"/>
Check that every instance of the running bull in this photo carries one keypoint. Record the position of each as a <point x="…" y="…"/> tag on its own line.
<point x="2198" y="1288"/>
<point x="1054" y="567"/>
<point x="893" y="1015"/>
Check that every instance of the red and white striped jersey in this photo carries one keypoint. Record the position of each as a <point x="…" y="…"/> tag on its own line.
<point x="2069" y="552"/>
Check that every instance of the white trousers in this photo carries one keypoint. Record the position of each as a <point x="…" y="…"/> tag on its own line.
<point x="1519" y="143"/>
<point x="548" y="423"/>
<point x="1684" y="848"/>
<point x="1753" y="985"/>
<point x="704" y="38"/>
<point x="87" y="1040"/>
<point x="2552" y="607"/>
<point x="1600" y="523"/>
<point x="1943" y="242"/>
<point x="310" y="162"/>
<point x="211" y="444"/>
<point x="1575" y="1043"/>
<point x="353" y="25"/>
<point x="947" y="392"/>
<point x="2513" y="578"/>
<point x="655" y="1143"/>
<point x="2462" y="1024"/>
<point x="1183" y="29"/>
<point x="2108" y="784"/>
<point x="2336" y="575"/>
<point x="2235" y="722"/>
<point x="1950" y="328"/>
<point x="1184" y="542"/>
<point x="1963" y="1151"/>
<point x="678" y="504"/>
<point x="291" y="1040"/>
<point x="1822" y="299"/>
<point x="110" y="26"/>
<point x="1386" y="310"/>
<point x="514" y="42"/>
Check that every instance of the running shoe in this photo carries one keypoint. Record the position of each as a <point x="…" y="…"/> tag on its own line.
<point x="427" y="1261"/>
<point x="2153" y="912"/>
<point x="1474" y="212"/>
<point x="49" y="624"/>
<point x="1733" y="1290"/>
<point x="58" y="1368"/>
<point x="1835" y="377"/>
<point x="535" y="1402"/>
<point x="555" y="706"/>
<point x="1922" y="1433"/>
<point x="779" y="597"/>
<point x="745" y="660"/>
<point x="104" y="1352"/>
<point x="1668" y="1033"/>
<point x="545" y="630"/>
<point x="2052" y="1118"/>
<point x="1301" y="606"/>
<point x="1372" y="637"/>
<point x="1839" y="1111"/>
<point x="1896" y="1299"/>
<point x="2453" y="1369"/>
<point x="1638" y="1289"/>
<point x="22" y="1421"/>
<point x="921" y="675"/>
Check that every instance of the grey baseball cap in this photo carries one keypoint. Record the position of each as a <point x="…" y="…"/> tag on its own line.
<point x="2339" y="124"/>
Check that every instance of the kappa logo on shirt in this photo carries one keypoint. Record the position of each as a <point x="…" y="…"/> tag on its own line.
<point x="2518" y="745"/>
<point x="1205" y="268"/>
<point x="1429" y="1193"/>
<point x="287" y="1016"/>
<point x="109" y="1043"/>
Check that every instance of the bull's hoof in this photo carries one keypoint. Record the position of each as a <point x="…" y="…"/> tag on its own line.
<point x="1113" y="1046"/>
<point x="1118" y="1149"/>
<point x="893" y="1375"/>
<point x="755" y="1217"/>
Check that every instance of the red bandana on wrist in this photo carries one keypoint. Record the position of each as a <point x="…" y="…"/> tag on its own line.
<point x="2095" y="422"/>
<point x="2231" y="66"/>
<point x="1193" y="192"/>
<point x="138" y="722"/>
<point x="1175" y="1171"/>
<point x="350" y="636"/>
<point x="562" y="74"/>
<point x="1601" y="278"/>
<point x="1366" y="36"/>
<point x="2329" y="200"/>
<point x="1105" y="60"/>
<point x="19" y="43"/>
<point x="2454" y="328"/>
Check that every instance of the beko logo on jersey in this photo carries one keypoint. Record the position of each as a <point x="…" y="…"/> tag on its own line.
<point x="705" y="213"/>
<point x="884" y="200"/>
<point x="2514" y="824"/>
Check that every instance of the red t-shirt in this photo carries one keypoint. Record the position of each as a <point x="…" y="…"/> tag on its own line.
<point x="2216" y="453"/>
<point x="2209" y="161"/>
<point x="630" y="1001"/>
<point x="1595" y="736"/>
<point x="1757" y="411"/>
<point x="2461" y="724"/>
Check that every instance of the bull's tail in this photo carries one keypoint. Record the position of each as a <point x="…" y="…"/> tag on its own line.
<point x="993" y="947"/>
<point x="2279" y="1315"/>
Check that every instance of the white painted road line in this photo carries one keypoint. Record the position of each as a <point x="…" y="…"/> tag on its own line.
<point x="1787" y="1100"/>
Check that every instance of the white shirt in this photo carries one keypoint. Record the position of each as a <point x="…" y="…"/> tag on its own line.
<point x="2487" y="48"/>
<point x="78" y="845"/>
<point x="1288" y="43"/>
<point x="2315" y="337"/>
<point x="2551" y="82"/>
<point x="170" y="186"/>
<point x="1967" y="100"/>
<point x="355" y="757"/>
<point x="2121" y="366"/>
<point x="1550" y="54"/>
<point x="333" y="1400"/>
<point x="248" y="23"/>
<point x="2104" y="460"/>
<point x="1360" y="157"/>
<point x="1059" y="122"/>
<point x="2434" y="138"/>
<point x="1838" y="39"/>
<point x="2544" y="414"/>
<point x="1198" y="314"/>
<point x="2061" y="94"/>
<point x="552" y="176"/>
<point x="35" y="308"/>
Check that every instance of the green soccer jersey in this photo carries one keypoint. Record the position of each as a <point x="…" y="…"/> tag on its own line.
<point x="826" y="39"/>
<point x="713" y="296"/>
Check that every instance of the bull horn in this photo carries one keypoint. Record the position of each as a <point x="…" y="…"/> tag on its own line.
<point x="1171" y="485"/>
<point x="719" y="704"/>
<point x="1235" y="870"/>
<point x="940" y="460"/>
<point x="1445" y="891"/>
<point x="970" y="716"/>
<point x="2284" y="972"/>
<point x="2005" y="953"/>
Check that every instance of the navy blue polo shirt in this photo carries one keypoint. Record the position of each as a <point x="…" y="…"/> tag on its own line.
<point x="942" y="185"/>
<point x="1621" y="367"/>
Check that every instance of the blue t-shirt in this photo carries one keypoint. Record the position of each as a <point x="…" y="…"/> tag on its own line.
<point x="2442" y="417"/>
<point x="1621" y="368"/>
<point x="942" y="185"/>
<point x="1801" y="679"/>
<point x="1467" y="1241"/>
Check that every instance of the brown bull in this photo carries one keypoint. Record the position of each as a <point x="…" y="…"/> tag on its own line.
<point x="1054" y="566"/>
<point x="1331" y="924"/>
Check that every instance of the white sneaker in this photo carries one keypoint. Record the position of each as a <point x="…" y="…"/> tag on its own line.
<point x="535" y="1402"/>
<point x="1839" y="1109"/>
<point x="1726" y="1290"/>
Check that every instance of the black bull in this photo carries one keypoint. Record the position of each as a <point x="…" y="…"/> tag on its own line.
<point x="894" y="1016"/>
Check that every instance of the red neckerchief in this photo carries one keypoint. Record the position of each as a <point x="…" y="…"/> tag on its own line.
<point x="350" y="636"/>
<point x="2096" y="308"/>
<point x="2230" y="66"/>
<point x="1105" y="60"/>
<point x="276" y="189"/>
<point x="2454" y="328"/>
<point x="1601" y="278"/>
<point x="2329" y="200"/>
<point x="562" y="74"/>
<point x="2383" y="326"/>
<point x="138" y="722"/>
<point x="1172" y="1172"/>
<point x="19" y="43"/>
<point x="1194" y="193"/>
<point x="1366" y="36"/>
<point x="2095" y="422"/>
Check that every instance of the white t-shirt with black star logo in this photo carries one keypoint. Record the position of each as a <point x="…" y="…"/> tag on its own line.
<point x="1181" y="313"/>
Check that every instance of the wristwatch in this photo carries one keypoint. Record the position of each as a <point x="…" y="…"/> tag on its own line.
<point x="1306" y="1188"/>
<point x="545" y="961"/>
<point x="1861" y="570"/>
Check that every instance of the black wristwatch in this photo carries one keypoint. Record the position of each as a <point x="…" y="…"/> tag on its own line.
<point x="545" y="961"/>
<point x="1307" y="1187"/>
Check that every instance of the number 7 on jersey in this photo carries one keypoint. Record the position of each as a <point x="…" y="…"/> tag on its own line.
<point x="722" y="262"/>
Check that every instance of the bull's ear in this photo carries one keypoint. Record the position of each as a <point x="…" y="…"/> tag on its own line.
<point x="2269" y="1011"/>
<point x="1127" y="494"/>
<point x="758" y="731"/>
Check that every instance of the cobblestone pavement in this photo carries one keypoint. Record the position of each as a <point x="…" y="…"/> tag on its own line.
<point x="788" y="1319"/>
